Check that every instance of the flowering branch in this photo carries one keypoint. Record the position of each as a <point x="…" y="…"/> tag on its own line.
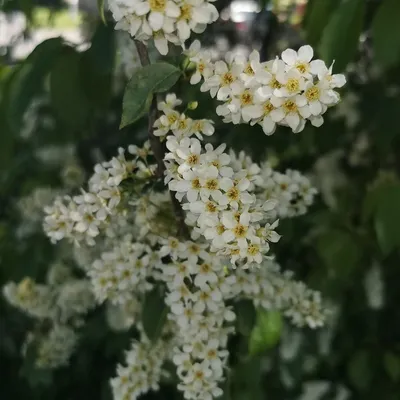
<point x="158" y="148"/>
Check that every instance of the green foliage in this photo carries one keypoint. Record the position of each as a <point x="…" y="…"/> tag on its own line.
<point x="392" y="365"/>
<point x="245" y="316"/>
<point x="68" y="97"/>
<point x="318" y="15"/>
<point x="340" y="38"/>
<point x="339" y="252"/>
<point x="266" y="332"/>
<point x="245" y="381"/>
<point x="386" y="33"/>
<point x="387" y="219"/>
<point x="359" y="370"/>
<point x="154" y="314"/>
<point x="29" y="79"/>
<point x="148" y="80"/>
<point x="101" y="6"/>
<point x="332" y="248"/>
<point x="97" y="66"/>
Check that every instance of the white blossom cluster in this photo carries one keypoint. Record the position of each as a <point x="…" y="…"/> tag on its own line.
<point x="200" y="293"/>
<point x="122" y="271"/>
<point x="120" y="317"/>
<point x="124" y="227"/>
<point x="271" y="289"/>
<point x="59" y="305"/>
<point x="34" y="299"/>
<point x="292" y="191"/>
<point x="163" y="20"/>
<point x="62" y="299"/>
<point x="286" y="91"/>
<point x="31" y="206"/>
<point x="218" y="191"/>
<point x="143" y="369"/>
<point x="81" y="217"/>
<point x="55" y="349"/>
<point x="198" y="289"/>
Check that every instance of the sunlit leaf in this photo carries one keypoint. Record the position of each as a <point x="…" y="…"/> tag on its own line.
<point x="266" y="333"/>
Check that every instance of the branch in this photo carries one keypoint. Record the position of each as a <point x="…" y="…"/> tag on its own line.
<point x="158" y="148"/>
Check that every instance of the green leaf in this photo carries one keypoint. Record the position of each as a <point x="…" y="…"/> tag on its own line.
<point x="68" y="97"/>
<point x="146" y="81"/>
<point x="386" y="33"/>
<point x="100" y="6"/>
<point x="339" y="252"/>
<point x="29" y="78"/>
<point x="375" y="194"/>
<point x="387" y="219"/>
<point x="340" y="38"/>
<point x="7" y="136"/>
<point x="359" y="370"/>
<point x="245" y="381"/>
<point x="97" y="66"/>
<point x="154" y="314"/>
<point x="245" y="316"/>
<point x="266" y="333"/>
<point x="318" y="15"/>
<point x="392" y="366"/>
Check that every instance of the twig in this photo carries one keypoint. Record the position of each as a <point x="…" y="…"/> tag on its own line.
<point x="159" y="149"/>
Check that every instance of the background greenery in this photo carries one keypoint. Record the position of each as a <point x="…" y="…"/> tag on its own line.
<point x="353" y="229"/>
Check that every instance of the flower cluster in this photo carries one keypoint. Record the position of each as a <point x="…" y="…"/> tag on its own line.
<point x="55" y="349"/>
<point x="125" y="225"/>
<point x="143" y="369"/>
<point x="218" y="197"/>
<point x="120" y="317"/>
<point x="163" y="20"/>
<point x="198" y="289"/>
<point x="200" y="293"/>
<point x="121" y="271"/>
<point x="58" y="306"/>
<point x="271" y="289"/>
<point x="81" y="217"/>
<point x="292" y="191"/>
<point x="286" y="91"/>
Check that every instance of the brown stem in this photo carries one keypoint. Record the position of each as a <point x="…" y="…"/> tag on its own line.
<point x="158" y="148"/>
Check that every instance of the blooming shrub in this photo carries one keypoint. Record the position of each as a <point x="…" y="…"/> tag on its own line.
<point x="176" y="234"/>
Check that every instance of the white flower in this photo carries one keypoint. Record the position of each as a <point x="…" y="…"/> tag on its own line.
<point x="170" y="103"/>
<point x="299" y="60"/>
<point x="236" y="228"/>
<point x="328" y="80"/>
<point x="291" y="112"/>
<point x="235" y="192"/>
<point x="189" y="185"/>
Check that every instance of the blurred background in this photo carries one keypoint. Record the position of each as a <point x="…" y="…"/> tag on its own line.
<point x="59" y="114"/>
